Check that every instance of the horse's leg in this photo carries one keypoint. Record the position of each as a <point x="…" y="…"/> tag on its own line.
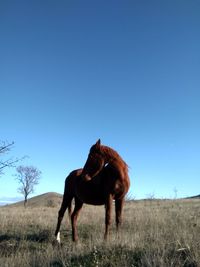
<point x="78" y="206"/>
<point x="65" y="204"/>
<point x="118" y="212"/>
<point x="108" y="207"/>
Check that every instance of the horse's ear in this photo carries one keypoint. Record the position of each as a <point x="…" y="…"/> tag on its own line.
<point x="98" y="143"/>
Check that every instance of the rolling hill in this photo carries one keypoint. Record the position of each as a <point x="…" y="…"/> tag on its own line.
<point x="50" y="199"/>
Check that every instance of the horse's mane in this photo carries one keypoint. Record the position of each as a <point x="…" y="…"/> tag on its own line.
<point x="114" y="156"/>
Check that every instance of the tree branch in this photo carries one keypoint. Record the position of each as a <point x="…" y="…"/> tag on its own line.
<point x="8" y="163"/>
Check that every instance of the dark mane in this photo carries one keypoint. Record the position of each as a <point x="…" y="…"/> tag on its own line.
<point x="114" y="156"/>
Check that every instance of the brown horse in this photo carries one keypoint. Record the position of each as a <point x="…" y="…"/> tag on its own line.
<point x="103" y="179"/>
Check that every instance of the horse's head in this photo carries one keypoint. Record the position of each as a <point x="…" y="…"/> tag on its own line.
<point x="95" y="162"/>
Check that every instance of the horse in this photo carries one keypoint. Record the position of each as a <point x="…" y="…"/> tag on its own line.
<point x="103" y="178"/>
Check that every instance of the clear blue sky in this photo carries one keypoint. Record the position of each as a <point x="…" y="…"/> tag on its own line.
<point x="127" y="72"/>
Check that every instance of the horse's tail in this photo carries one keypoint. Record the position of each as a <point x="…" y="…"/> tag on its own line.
<point x="70" y="209"/>
<point x="69" y="191"/>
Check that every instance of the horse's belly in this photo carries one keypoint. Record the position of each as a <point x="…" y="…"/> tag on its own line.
<point x="94" y="202"/>
<point x="91" y="197"/>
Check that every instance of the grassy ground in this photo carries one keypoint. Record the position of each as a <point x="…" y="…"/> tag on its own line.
<point x="154" y="233"/>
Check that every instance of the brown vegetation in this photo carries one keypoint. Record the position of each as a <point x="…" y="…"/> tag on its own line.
<point x="154" y="233"/>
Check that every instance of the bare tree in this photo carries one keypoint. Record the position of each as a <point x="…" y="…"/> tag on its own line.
<point x="175" y="193"/>
<point x="150" y="196"/>
<point x="28" y="177"/>
<point x="130" y="197"/>
<point x="5" y="148"/>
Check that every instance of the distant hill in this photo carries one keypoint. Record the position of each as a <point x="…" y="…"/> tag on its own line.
<point x="50" y="199"/>
<point x="198" y="196"/>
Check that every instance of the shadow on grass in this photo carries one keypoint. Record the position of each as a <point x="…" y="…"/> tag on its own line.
<point x="8" y="237"/>
<point x="10" y="243"/>
<point x="41" y="236"/>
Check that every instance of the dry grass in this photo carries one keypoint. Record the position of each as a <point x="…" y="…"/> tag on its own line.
<point x="154" y="233"/>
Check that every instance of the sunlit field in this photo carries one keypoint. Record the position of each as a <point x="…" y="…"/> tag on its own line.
<point x="154" y="233"/>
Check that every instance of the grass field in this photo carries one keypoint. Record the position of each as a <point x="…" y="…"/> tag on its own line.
<point x="154" y="233"/>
